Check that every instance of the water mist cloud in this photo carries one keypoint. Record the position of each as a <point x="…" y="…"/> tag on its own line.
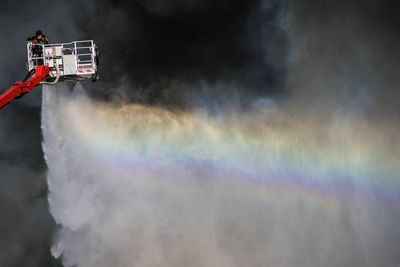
<point x="140" y="186"/>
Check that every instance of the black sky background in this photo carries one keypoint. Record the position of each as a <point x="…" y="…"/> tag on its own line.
<point x="148" y="47"/>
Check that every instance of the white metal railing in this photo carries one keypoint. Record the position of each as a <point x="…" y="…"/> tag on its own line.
<point x="35" y="55"/>
<point x="83" y="51"/>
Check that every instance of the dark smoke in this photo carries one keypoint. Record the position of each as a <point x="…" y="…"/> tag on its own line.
<point x="26" y="226"/>
<point x="155" y="45"/>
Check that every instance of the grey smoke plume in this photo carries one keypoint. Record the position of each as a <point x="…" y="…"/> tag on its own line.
<point x="343" y="57"/>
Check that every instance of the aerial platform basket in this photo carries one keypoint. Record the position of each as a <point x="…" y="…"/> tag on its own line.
<point x="67" y="61"/>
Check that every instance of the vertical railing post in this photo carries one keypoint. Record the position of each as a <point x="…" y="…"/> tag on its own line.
<point x="76" y="57"/>
<point x="92" y="57"/>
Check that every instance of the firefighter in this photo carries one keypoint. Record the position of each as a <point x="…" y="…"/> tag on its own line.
<point x="39" y="38"/>
<point x="37" y="49"/>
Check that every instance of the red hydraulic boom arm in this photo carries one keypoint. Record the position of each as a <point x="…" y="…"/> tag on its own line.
<point x="24" y="87"/>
